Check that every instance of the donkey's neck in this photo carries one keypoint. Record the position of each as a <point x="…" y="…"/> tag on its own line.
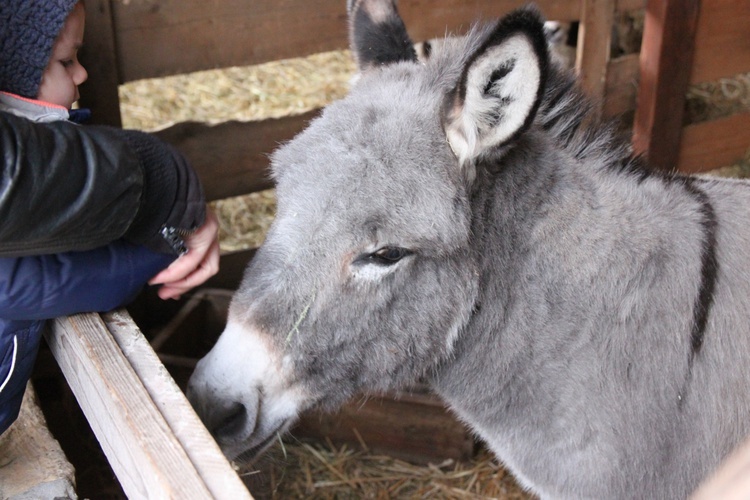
<point x="577" y="260"/>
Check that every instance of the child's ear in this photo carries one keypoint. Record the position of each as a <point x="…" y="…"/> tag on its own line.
<point x="500" y="88"/>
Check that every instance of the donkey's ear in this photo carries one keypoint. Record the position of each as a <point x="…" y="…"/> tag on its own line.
<point x="377" y="34"/>
<point x="500" y="88"/>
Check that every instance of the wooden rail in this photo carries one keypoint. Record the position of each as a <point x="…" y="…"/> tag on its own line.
<point x="151" y="436"/>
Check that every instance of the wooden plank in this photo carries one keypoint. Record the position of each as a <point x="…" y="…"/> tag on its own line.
<point x="214" y="469"/>
<point x="628" y="5"/>
<point x="430" y="18"/>
<point x="417" y="428"/>
<point x="231" y="158"/>
<point x="714" y="144"/>
<point x="147" y="458"/>
<point x="621" y="92"/>
<point x="722" y="41"/>
<point x="164" y="37"/>
<point x="593" y="48"/>
<point x="731" y="481"/>
<point x="98" y="56"/>
<point x="666" y="58"/>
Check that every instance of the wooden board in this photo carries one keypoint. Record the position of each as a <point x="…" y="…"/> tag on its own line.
<point x="148" y="458"/>
<point x="666" y="58"/>
<point x="413" y="427"/>
<point x="621" y="91"/>
<point x="593" y="48"/>
<point x="99" y="93"/>
<point x="714" y="144"/>
<point x="232" y="158"/>
<point x="722" y="41"/>
<point x="164" y="37"/>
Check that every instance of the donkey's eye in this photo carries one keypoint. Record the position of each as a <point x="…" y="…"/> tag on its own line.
<point x="386" y="256"/>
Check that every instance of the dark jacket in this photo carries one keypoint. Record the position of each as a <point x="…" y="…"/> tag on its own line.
<point x="66" y="187"/>
<point x="88" y="214"/>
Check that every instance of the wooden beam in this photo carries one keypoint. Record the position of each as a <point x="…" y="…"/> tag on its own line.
<point x="718" y="143"/>
<point x="147" y="457"/>
<point x="666" y="59"/>
<point x="231" y="158"/>
<point x="99" y="57"/>
<point x="593" y="48"/>
<point x="166" y="37"/>
<point x="722" y="41"/>
<point x="621" y="91"/>
<point x="202" y="449"/>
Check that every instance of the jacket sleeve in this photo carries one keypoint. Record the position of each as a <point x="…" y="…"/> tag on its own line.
<point x="66" y="187"/>
<point x="102" y="279"/>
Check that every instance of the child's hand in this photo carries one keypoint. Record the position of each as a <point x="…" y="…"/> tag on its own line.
<point x="196" y="266"/>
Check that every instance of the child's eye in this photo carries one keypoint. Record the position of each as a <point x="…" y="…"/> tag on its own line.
<point x="67" y="63"/>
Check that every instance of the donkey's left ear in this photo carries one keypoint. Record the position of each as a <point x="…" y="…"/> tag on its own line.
<point x="377" y="34"/>
<point x="500" y="88"/>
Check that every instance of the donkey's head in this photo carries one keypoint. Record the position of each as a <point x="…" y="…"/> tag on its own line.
<point x="368" y="275"/>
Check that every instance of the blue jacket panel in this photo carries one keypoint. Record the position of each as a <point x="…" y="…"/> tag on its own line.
<point x="19" y="344"/>
<point x="47" y="286"/>
<point x="36" y="288"/>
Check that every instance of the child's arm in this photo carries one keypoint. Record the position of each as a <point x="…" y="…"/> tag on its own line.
<point x="47" y="286"/>
<point x="66" y="187"/>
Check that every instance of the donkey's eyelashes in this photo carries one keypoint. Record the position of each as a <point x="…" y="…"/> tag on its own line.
<point x="385" y="256"/>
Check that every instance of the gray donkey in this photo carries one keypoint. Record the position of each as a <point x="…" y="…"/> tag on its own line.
<point x="467" y="221"/>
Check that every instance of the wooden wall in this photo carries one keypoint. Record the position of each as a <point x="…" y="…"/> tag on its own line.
<point x="689" y="42"/>
<point x="128" y="40"/>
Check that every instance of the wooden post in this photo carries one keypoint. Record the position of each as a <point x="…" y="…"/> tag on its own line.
<point x="99" y="57"/>
<point x="593" y="47"/>
<point x="666" y="61"/>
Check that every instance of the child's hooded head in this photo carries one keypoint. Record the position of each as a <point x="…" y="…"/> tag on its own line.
<point x="29" y="30"/>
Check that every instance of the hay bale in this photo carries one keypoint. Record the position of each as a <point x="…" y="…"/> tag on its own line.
<point x="32" y="464"/>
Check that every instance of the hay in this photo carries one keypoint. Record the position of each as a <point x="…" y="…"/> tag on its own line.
<point x="713" y="100"/>
<point x="322" y="471"/>
<point x="271" y="90"/>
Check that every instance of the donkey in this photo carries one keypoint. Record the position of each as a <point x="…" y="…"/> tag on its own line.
<point x="468" y="221"/>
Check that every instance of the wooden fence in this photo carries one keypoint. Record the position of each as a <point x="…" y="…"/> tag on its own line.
<point x="128" y="40"/>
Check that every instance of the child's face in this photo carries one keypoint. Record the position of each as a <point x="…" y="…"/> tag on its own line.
<point x="64" y="73"/>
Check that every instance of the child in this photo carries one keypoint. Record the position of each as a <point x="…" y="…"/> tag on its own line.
<point x="39" y="78"/>
<point x="40" y="72"/>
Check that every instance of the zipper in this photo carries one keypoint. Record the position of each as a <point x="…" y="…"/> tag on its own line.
<point x="175" y="237"/>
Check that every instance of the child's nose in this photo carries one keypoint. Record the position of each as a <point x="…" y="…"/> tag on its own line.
<point x="81" y="75"/>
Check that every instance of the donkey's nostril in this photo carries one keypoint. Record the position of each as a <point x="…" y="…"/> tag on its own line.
<point x="231" y="422"/>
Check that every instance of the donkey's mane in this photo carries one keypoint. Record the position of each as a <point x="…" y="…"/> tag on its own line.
<point x="568" y="114"/>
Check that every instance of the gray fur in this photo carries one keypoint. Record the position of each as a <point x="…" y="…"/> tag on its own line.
<point x="549" y="295"/>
